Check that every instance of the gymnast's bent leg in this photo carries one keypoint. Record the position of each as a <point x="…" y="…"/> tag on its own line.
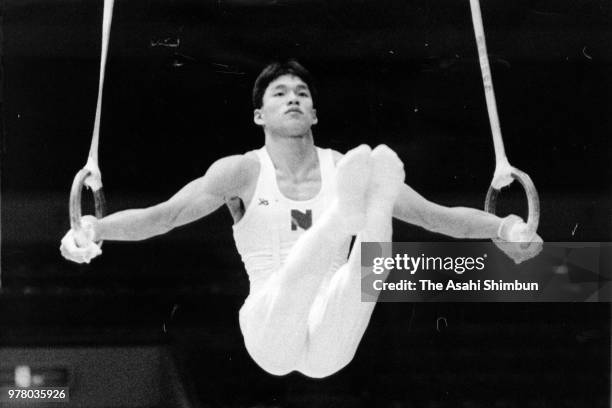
<point x="274" y="319"/>
<point x="338" y="318"/>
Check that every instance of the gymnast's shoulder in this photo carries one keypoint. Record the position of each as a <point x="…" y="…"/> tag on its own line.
<point x="236" y="170"/>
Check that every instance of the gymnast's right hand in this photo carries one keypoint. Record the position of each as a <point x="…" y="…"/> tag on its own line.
<point x="78" y="245"/>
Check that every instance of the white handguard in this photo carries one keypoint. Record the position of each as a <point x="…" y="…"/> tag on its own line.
<point x="513" y="229"/>
<point x="516" y="241"/>
<point x="79" y="246"/>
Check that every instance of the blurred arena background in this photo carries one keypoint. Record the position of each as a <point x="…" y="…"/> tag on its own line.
<point x="155" y="323"/>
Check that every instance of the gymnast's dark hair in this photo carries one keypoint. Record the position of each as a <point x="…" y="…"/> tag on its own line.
<point x="277" y="69"/>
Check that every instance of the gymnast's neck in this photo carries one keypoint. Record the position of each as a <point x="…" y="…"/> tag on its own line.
<point x="293" y="154"/>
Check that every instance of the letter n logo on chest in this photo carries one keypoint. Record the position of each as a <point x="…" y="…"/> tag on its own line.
<point x="301" y="220"/>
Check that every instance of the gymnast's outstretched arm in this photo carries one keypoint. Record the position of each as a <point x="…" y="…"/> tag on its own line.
<point x="508" y="233"/>
<point x="226" y="178"/>
<point x="457" y="222"/>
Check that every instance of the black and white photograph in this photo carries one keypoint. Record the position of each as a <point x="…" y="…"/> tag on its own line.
<point x="305" y="203"/>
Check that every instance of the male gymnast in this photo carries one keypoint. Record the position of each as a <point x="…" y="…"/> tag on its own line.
<point x="295" y="208"/>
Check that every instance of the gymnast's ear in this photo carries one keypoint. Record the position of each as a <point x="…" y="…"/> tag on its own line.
<point x="258" y="117"/>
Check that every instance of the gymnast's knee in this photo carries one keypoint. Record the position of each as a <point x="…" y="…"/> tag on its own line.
<point x="322" y="366"/>
<point x="272" y="359"/>
<point x="268" y="349"/>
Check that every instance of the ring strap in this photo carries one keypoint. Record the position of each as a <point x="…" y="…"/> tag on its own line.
<point x="84" y="173"/>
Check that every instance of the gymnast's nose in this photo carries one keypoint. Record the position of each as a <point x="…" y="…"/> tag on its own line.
<point x="293" y="98"/>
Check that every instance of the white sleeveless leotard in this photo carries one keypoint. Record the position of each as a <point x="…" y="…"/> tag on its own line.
<point x="272" y="222"/>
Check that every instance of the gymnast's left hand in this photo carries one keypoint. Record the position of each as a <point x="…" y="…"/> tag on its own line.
<point x="516" y="241"/>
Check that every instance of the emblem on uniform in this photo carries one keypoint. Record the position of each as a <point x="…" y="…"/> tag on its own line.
<point x="263" y="201"/>
<point x="301" y="220"/>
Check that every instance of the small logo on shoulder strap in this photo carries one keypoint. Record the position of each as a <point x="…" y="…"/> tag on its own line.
<point x="263" y="201"/>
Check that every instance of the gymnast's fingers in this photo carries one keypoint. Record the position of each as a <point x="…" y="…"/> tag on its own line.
<point x="70" y="249"/>
<point x="79" y="250"/>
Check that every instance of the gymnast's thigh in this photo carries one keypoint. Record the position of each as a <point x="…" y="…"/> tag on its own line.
<point x="255" y="306"/>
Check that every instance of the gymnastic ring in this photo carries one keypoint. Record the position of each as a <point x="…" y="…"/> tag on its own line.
<point x="75" y="200"/>
<point x="533" y="200"/>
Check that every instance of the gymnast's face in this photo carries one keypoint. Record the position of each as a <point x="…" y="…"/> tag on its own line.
<point x="287" y="108"/>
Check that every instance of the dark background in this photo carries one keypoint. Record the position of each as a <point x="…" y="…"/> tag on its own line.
<point x="177" y="97"/>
